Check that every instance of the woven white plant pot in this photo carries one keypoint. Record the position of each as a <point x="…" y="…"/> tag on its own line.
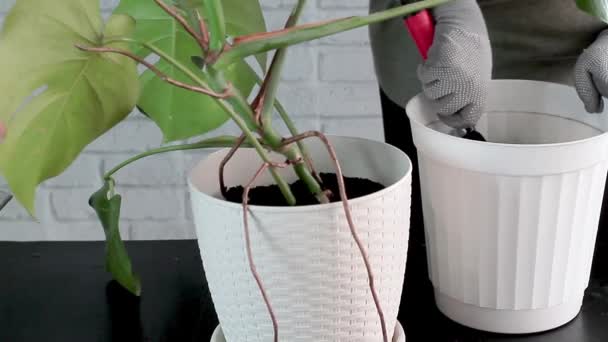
<point x="511" y="225"/>
<point x="398" y="334"/>
<point x="306" y="257"/>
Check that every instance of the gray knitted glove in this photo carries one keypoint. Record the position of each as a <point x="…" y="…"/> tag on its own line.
<point x="458" y="70"/>
<point x="591" y="74"/>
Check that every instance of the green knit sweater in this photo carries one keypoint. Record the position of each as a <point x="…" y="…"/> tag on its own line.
<point x="531" y="39"/>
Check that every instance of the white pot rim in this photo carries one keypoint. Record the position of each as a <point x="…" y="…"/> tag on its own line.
<point x="514" y="83"/>
<point x="314" y="207"/>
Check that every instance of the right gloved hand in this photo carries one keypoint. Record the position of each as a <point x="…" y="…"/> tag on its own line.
<point x="457" y="73"/>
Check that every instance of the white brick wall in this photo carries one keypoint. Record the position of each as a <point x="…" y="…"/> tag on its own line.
<point x="328" y="85"/>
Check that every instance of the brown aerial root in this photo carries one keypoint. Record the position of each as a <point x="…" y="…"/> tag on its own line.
<point x="252" y="268"/>
<point x="349" y="218"/>
<point x="348" y="214"/>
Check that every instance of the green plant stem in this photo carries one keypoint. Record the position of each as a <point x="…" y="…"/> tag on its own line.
<point x="217" y="24"/>
<point x="291" y="127"/>
<point x="217" y="142"/>
<point x="263" y="42"/>
<point x="238" y="102"/>
<point x="296" y="13"/>
<point x="244" y="122"/>
<point x="273" y="77"/>
<point x="275" y="141"/>
<point x="285" y="117"/>
<point x="270" y="135"/>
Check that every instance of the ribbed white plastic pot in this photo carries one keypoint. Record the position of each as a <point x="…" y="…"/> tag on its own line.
<point x="511" y="225"/>
<point x="306" y="257"/>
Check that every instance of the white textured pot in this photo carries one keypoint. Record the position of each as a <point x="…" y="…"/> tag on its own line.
<point x="306" y="257"/>
<point x="511" y="225"/>
<point x="398" y="334"/>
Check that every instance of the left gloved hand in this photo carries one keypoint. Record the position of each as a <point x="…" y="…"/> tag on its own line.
<point x="455" y="78"/>
<point x="591" y="74"/>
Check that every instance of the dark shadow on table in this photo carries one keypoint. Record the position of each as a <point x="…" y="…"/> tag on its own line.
<point x="175" y="304"/>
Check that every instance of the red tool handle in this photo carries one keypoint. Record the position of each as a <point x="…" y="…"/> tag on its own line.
<point x="422" y="30"/>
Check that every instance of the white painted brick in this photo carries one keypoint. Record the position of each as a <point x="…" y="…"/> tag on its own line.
<point x="358" y="36"/>
<point x="343" y="4"/>
<point x="150" y="230"/>
<point x="80" y="231"/>
<point x="23" y="231"/>
<point x="56" y="231"/>
<point x="299" y="99"/>
<point x="349" y="99"/>
<point x="163" y="169"/>
<point x="14" y="211"/>
<point x="128" y="136"/>
<point x="84" y="171"/>
<point x="302" y="124"/>
<point x="6" y="5"/>
<point x="276" y="19"/>
<point x="346" y="64"/>
<point x="108" y="4"/>
<point x="191" y="158"/>
<point x="72" y="204"/>
<point x="370" y="128"/>
<point x="228" y="128"/>
<point x="266" y="4"/>
<point x="189" y="215"/>
<point x="105" y="15"/>
<point x="152" y="203"/>
<point x="83" y="231"/>
<point x="300" y="64"/>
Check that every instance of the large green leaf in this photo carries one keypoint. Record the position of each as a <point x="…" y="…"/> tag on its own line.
<point x="240" y="18"/>
<point x="107" y="206"/>
<point x="84" y="95"/>
<point x="598" y="8"/>
<point x="180" y="113"/>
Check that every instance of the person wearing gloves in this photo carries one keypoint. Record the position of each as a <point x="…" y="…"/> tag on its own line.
<point x="475" y="41"/>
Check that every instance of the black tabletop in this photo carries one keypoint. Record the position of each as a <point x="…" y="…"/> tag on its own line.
<point x="59" y="291"/>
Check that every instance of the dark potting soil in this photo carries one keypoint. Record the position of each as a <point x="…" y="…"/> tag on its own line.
<point x="271" y="195"/>
<point x="472" y="134"/>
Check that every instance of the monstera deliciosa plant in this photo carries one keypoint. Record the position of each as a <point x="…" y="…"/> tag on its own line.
<point x="68" y="77"/>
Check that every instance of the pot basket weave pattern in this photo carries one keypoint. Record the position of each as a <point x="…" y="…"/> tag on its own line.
<point x="306" y="257"/>
<point x="310" y="265"/>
